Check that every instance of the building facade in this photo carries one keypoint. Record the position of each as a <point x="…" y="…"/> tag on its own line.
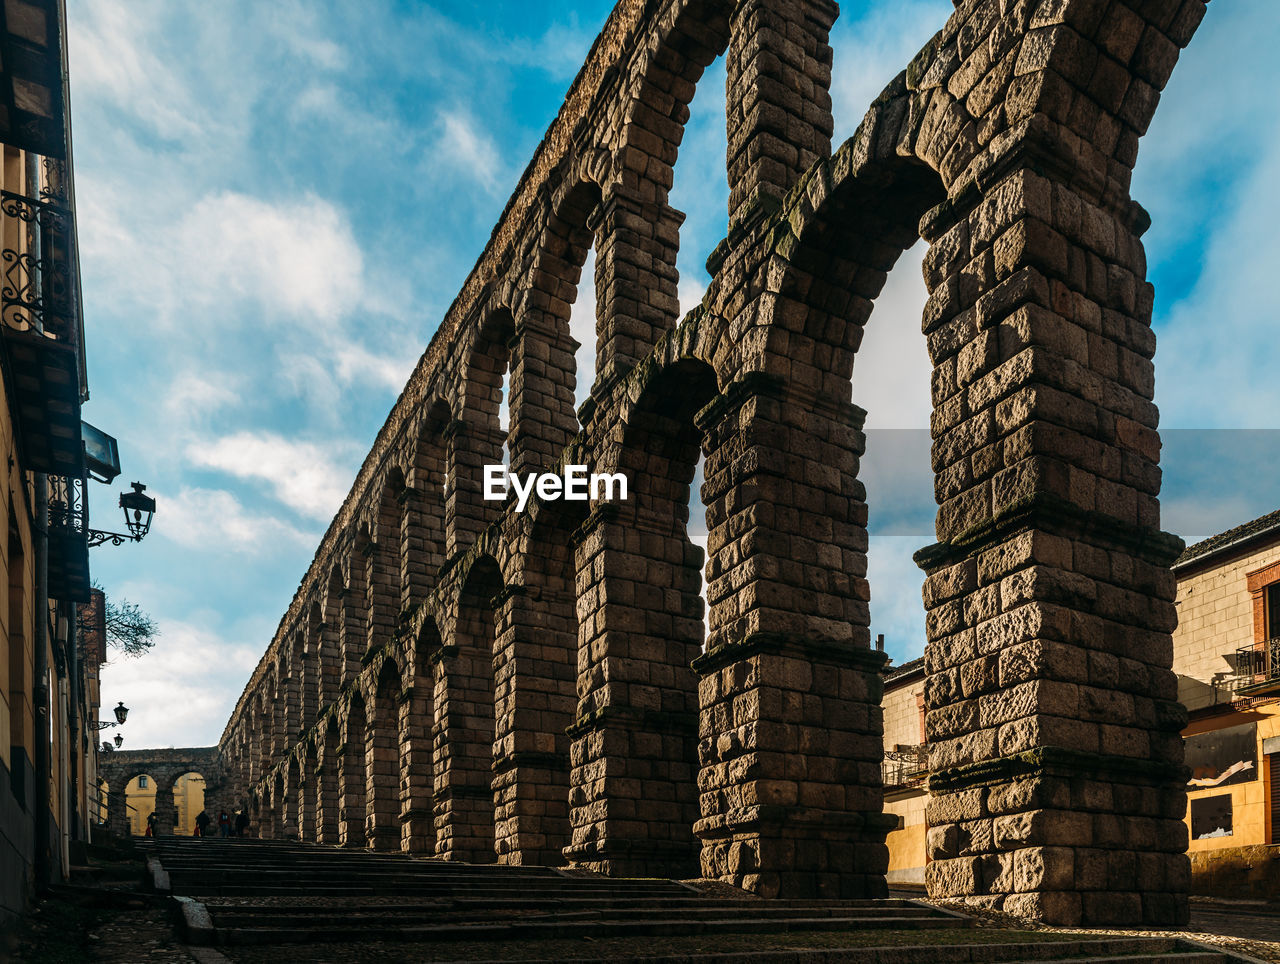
<point x="1226" y="653"/>
<point x="1227" y="657"/>
<point x="48" y="689"/>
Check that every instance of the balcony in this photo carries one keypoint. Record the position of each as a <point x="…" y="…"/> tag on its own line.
<point x="1258" y="667"/>
<point x="38" y="324"/>
<point x="68" y="539"/>
<point x="905" y="767"/>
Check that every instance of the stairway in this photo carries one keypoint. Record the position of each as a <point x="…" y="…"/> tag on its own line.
<point x="247" y="892"/>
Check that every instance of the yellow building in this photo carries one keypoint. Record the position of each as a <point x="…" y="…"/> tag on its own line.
<point x="188" y="801"/>
<point x="905" y="770"/>
<point x="1227" y="657"/>
<point x="1226" y="654"/>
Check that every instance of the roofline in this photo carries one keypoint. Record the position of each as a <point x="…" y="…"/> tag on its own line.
<point x="1216" y="551"/>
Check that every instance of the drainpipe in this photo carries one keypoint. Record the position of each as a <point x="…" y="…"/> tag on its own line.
<point x="40" y="696"/>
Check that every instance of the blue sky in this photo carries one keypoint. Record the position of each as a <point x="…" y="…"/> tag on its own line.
<point x="277" y="203"/>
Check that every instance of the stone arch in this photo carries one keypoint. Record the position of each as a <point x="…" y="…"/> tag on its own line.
<point x="535" y="670"/>
<point x="637" y="700"/>
<point x="354" y="618"/>
<point x="382" y="760"/>
<point x="464" y="800"/>
<point x="544" y="372"/>
<point x="327" y="792"/>
<point x="416" y="730"/>
<point x="323" y="653"/>
<point x="477" y="439"/>
<point x="383" y="570"/>
<point x="303" y="776"/>
<point x="278" y="806"/>
<point x="352" y="774"/>
<point x="428" y="493"/>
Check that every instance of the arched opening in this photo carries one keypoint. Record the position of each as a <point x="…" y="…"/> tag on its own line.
<point x="485" y="430"/>
<point x="303" y="776"/>
<point x="355" y="603"/>
<point x="383" y="572"/>
<point x="424" y="517"/>
<point x="636" y="652"/>
<point x="465" y="735"/>
<point x="327" y="793"/>
<point x="280" y="817"/>
<point x="417" y="734"/>
<point x="535" y="672"/>
<point x="352" y="777"/>
<point x="289" y="801"/>
<point x="322" y="651"/>
<point x="139" y="802"/>
<point x="382" y="762"/>
<point x="188" y="792"/>
<point x="303" y="667"/>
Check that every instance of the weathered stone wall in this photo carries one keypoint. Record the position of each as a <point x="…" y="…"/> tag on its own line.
<point x="529" y="687"/>
<point x="165" y="767"/>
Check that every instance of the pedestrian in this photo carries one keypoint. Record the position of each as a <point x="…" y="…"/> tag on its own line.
<point x="242" y="823"/>
<point x="202" y="824"/>
<point x="151" y="824"/>
<point x="224" y="824"/>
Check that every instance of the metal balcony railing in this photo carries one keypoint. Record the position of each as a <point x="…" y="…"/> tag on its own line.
<point x="36" y="273"/>
<point x="68" y="538"/>
<point x="1260" y="662"/>
<point x="905" y="766"/>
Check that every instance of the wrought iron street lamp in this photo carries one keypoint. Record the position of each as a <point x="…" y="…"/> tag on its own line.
<point x="121" y="713"/>
<point x="138" y="510"/>
<point x="119" y="739"/>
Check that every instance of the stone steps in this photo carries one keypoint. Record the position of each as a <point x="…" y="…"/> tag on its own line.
<point x="244" y="892"/>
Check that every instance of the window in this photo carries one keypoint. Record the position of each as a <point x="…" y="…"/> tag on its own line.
<point x="1211" y="817"/>
<point x="142" y="783"/>
<point x="1273" y="611"/>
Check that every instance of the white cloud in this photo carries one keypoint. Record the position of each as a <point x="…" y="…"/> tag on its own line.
<point x="213" y="520"/>
<point x="891" y="371"/>
<point x="112" y="46"/>
<point x="295" y="257"/>
<point x="308" y="477"/>
<point x="183" y="690"/>
<point x="468" y="150"/>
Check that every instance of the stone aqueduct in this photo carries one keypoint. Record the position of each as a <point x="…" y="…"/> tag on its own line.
<point x="458" y="678"/>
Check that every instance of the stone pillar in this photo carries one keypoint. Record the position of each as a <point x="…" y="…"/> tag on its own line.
<point x="166" y="812"/>
<point x="473" y="444"/>
<point x="790" y="688"/>
<point x="543" y="418"/>
<point x="633" y="755"/>
<point x="351" y="636"/>
<point x="463" y="798"/>
<point x="382" y="762"/>
<point x="351" y="789"/>
<point x="636" y="281"/>
<point x="382" y="574"/>
<point x="1057" y="783"/>
<point x="534" y="699"/>
<point x="778" y="102"/>
<point x="416" y="719"/>
<point x="327" y="795"/>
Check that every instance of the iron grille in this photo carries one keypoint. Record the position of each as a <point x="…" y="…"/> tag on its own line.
<point x="905" y="766"/>
<point x="36" y="287"/>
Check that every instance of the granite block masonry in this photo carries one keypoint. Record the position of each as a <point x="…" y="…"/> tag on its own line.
<point x="457" y="677"/>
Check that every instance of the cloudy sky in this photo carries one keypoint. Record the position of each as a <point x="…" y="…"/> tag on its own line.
<point x="277" y="203"/>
